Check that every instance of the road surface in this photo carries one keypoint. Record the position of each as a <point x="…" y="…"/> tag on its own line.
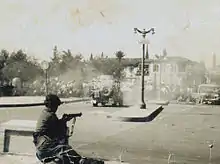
<point x="184" y="130"/>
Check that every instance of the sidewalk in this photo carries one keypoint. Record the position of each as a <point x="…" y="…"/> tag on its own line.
<point x="158" y="102"/>
<point x="29" y="99"/>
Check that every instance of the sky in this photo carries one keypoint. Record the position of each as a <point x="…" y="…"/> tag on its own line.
<point x="184" y="27"/>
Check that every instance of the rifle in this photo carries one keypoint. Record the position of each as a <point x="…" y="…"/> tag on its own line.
<point x="74" y="115"/>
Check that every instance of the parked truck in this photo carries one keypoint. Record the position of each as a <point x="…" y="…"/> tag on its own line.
<point x="108" y="95"/>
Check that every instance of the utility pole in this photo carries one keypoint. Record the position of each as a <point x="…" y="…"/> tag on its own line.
<point x="45" y="66"/>
<point x="143" y="33"/>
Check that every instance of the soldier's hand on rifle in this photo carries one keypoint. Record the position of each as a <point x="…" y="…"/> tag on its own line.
<point x="66" y="117"/>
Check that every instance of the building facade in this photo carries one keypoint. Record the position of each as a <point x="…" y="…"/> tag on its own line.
<point x="171" y="71"/>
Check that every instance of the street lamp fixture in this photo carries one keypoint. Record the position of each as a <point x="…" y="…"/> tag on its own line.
<point x="143" y="33"/>
<point x="45" y="66"/>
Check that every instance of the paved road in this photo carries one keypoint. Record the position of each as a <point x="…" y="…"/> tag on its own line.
<point x="184" y="130"/>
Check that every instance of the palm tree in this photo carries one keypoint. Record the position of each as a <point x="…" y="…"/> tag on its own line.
<point x="68" y="53"/>
<point x="119" y="55"/>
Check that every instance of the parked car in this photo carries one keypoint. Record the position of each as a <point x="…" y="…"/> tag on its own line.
<point x="209" y="94"/>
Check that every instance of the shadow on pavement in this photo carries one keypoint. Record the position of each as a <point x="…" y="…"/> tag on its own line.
<point x="148" y="118"/>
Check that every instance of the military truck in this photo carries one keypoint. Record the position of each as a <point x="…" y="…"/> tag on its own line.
<point x="108" y="95"/>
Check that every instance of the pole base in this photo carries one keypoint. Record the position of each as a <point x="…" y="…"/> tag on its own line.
<point x="143" y="106"/>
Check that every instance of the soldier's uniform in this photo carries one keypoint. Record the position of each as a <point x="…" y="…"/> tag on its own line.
<point x="50" y="135"/>
<point x="49" y="129"/>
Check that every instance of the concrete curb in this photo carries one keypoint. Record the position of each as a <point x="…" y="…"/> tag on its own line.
<point x="142" y="117"/>
<point x="159" y="102"/>
<point x="182" y="103"/>
<point x="40" y="104"/>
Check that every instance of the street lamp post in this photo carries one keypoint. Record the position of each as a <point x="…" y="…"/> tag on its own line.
<point x="45" y="66"/>
<point x="143" y="33"/>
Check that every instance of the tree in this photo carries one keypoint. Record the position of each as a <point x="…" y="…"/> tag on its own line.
<point x="20" y="55"/>
<point x="164" y="53"/>
<point x="119" y="55"/>
<point x="65" y="60"/>
<point x="68" y="53"/>
<point x="18" y="65"/>
<point x="4" y="54"/>
<point x="55" y="54"/>
<point x="60" y="61"/>
<point x="91" y="57"/>
<point x="118" y="72"/>
<point x="102" y="55"/>
<point x="109" y="66"/>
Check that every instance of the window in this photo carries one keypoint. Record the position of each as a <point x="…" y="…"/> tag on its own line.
<point x="155" y="68"/>
<point x="173" y="68"/>
<point x="182" y="67"/>
<point x="169" y="68"/>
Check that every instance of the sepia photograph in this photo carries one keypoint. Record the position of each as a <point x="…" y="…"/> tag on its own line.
<point x="109" y="82"/>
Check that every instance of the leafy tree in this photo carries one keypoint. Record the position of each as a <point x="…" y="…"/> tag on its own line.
<point x="18" y="56"/>
<point x="17" y="64"/>
<point x="109" y="66"/>
<point x="4" y="54"/>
